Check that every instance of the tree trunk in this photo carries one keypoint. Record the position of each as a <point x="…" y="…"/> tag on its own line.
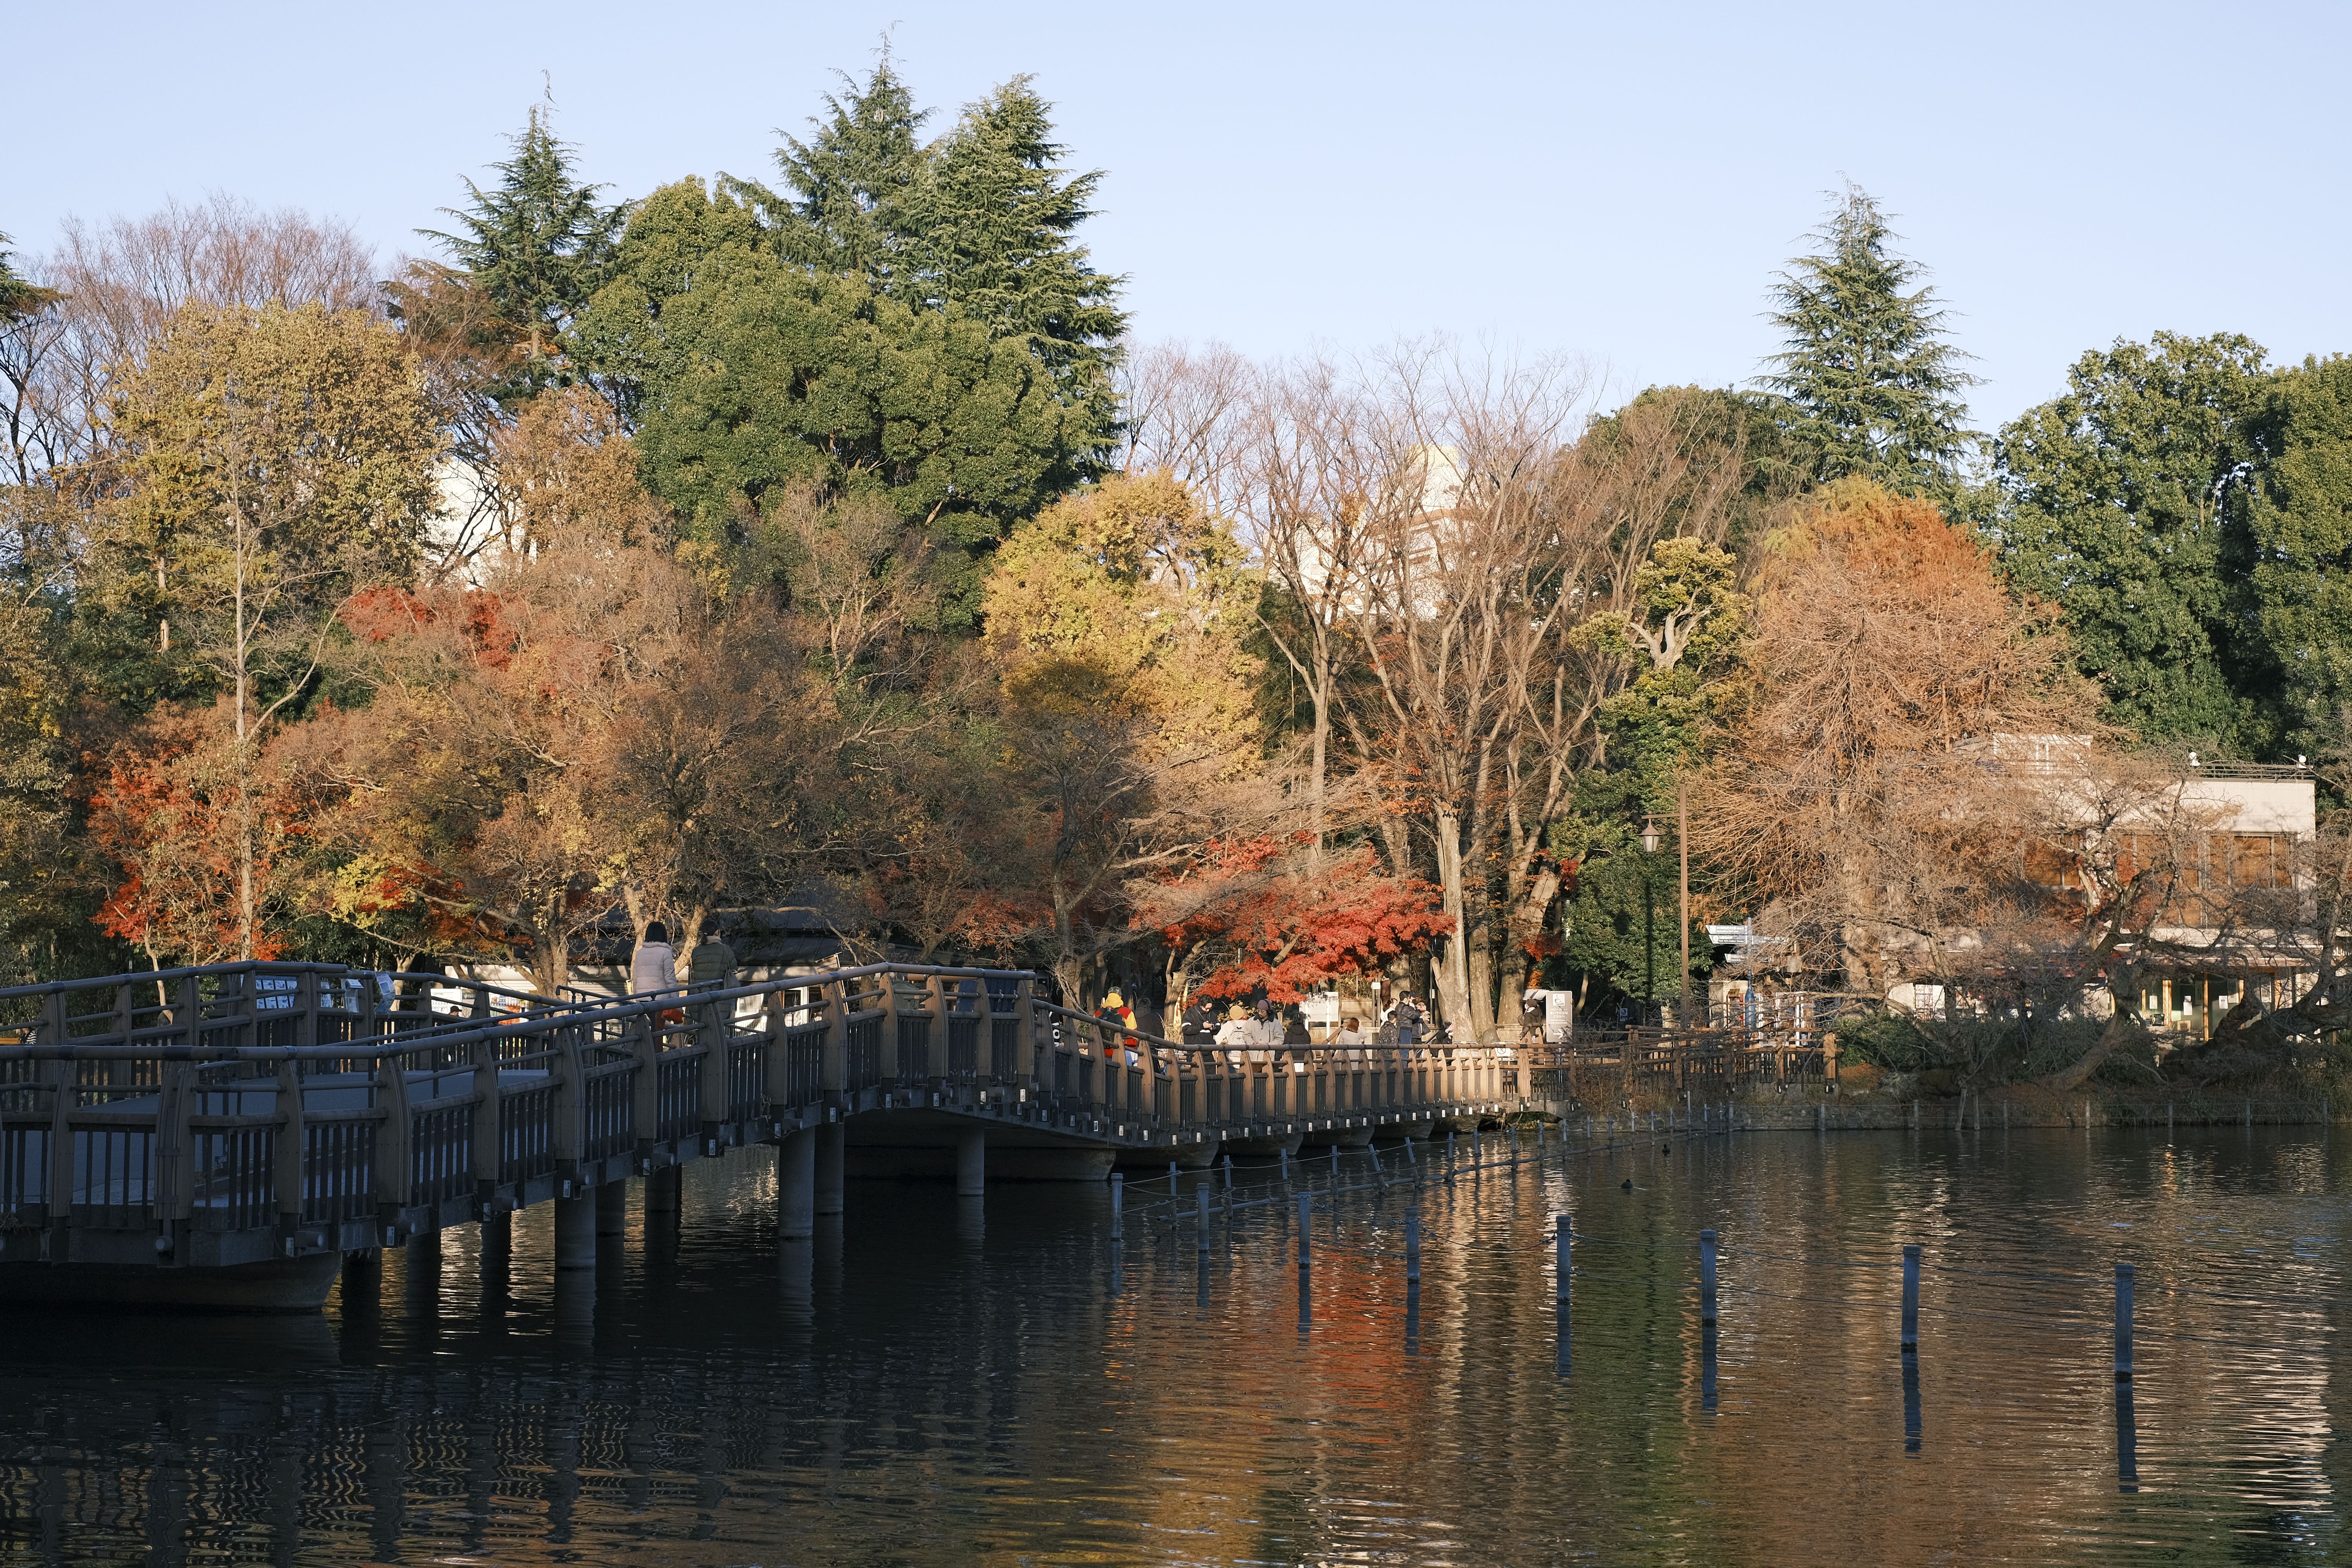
<point x="1319" y="690"/>
<point x="1452" y="968"/>
<point x="550" y="964"/>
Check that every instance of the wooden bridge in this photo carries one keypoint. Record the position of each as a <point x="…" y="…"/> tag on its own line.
<point x="228" y="1135"/>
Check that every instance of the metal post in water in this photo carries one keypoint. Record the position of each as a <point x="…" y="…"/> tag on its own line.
<point x="1910" y="1298"/>
<point x="1910" y="1400"/>
<point x="2168" y="1120"/>
<point x="1201" y="1242"/>
<point x="1117" y="1206"/>
<point x="1706" y="1278"/>
<point x="2126" y="1440"/>
<point x="1335" y="1163"/>
<point x="1413" y="1281"/>
<point x="1171" y="1178"/>
<point x="1561" y="1246"/>
<point x="1229" y="1174"/>
<point x="2123" y="1322"/>
<point x="1282" y="1151"/>
<point x="1821" y="1120"/>
<point x="1306" y="1208"/>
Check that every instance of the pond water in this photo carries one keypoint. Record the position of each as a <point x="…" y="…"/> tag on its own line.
<point x="945" y="1381"/>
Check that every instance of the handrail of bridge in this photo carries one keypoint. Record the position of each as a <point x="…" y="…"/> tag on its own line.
<point x="233" y="1119"/>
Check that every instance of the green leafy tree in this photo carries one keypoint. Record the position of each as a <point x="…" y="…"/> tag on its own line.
<point x="1618" y="925"/>
<point x="2299" y="528"/>
<point x="2122" y="502"/>
<point x="978" y="227"/>
<point x="535" y="246"/>
<point x="753" y="374"/>
<point x="1873" y="383"/>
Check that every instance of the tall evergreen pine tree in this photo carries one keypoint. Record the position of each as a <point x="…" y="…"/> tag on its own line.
<point x="1873" y="387"/>
<point x="537" y="246"/>
<point x="18" y="298"/>
<point x="853" y="182"/>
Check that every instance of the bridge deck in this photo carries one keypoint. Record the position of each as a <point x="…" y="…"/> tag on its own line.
<point x="250" y="1114"/>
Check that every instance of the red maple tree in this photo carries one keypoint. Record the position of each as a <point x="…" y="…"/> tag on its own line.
<point x="1255" y="918"/>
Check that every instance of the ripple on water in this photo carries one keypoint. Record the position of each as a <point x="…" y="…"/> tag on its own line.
<point x="907" y="1389"/>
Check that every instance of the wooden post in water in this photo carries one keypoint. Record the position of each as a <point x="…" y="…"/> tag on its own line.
<point x="2123" y="1321"/>
<point x="1910" y="1298"/>
<point x="1706" y="1278"/>
<point x="1117" y="1206"/>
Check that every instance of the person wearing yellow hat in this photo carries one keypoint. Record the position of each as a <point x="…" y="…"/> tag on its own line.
<point x="1119" y="1014"/>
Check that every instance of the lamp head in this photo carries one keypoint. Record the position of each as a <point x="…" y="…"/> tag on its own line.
<point x="1649" y="835"/>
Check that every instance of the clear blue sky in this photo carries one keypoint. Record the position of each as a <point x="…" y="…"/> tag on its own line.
<point x="1617" y="183"/>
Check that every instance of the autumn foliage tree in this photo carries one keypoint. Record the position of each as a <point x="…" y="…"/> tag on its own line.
<point x="1117" y="623"/>
<point x="1896" y="679"/>
<point x="1263" y="915"/>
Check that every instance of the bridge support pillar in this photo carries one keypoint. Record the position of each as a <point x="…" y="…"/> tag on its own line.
<point x="363" y="1277"/>
<point x="662" y="1189"/>
<point x="575" y="1232"/>
<point x="796" y="1186"/>
<point x="832" y="1163"/>
<point x="613" y="1208"/>
<point x="972" y="1162"/>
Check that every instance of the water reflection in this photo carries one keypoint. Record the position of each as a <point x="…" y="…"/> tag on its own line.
<point x="931" y="1379"/>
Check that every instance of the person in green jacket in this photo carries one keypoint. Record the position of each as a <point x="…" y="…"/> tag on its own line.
<point x="712" y="962"/>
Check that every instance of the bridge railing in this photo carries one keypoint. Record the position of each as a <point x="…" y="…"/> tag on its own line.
<point x="1602" y="1062"/>
<point x="241" y="1111"/>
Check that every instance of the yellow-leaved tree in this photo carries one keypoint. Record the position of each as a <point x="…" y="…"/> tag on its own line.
<point x="1118" y="623"/>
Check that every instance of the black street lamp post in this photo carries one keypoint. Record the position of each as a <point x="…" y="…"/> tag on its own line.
<point x="1649" y="916"/>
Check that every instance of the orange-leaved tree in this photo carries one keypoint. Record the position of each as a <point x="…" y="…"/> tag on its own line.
<point x="205" y="839"/>
<point x="1866" y="798"/>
